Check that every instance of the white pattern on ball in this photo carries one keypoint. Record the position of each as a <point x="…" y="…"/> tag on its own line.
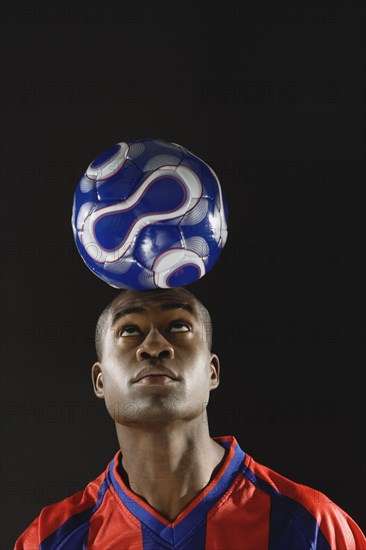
<point x="84" y="212"/>
<point x="86" y="184"/>
<point x="120" y="266"/>
<point x="135" y="150"/>
<point x="171" y="260"/>
<point x="223" y="229"/>
<point x="198" y="245"/>
<point x="110" y="166"/>
<point x="161" y="160"/>
<point x="88" y="237"/>
<point x="146" y="279"/>
<point x="196" y="215"/>
<point x="190" y="178"/>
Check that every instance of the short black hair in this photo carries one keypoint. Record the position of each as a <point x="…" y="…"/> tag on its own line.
<point x="103" y="318"/>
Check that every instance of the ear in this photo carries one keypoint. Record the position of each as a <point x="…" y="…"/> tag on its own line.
<point x="97" y="380"/>
<point x="215" y="371"/>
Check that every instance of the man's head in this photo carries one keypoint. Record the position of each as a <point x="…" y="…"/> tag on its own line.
<point x="181" y="293"/>
<point x="147" y="331"/>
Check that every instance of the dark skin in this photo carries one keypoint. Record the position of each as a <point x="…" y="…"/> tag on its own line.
<point x="162" y="429"/>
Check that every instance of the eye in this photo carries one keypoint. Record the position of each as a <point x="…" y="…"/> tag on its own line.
<point x="179" y="326"/>
<point x="129" y="330"/>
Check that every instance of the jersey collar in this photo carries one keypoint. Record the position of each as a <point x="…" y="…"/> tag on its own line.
<point x="196" y="511"/>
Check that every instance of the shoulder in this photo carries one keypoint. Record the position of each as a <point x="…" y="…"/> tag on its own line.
<point x="53" y="516"/>
<point x="308" y="509"/>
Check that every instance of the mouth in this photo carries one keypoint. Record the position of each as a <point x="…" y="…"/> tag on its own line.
<point x="156" y="379"/>
<point x="158" y="374"/>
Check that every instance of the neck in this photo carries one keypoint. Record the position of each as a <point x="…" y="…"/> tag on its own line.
<point x="168" y="466"/>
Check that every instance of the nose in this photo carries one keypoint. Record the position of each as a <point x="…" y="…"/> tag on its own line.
<point x="155" y="346"/>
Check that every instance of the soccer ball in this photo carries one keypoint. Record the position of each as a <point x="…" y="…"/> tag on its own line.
<point x="149" y="214"/>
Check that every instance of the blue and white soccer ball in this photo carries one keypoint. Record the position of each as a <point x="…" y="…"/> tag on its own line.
<point x="149" y="214"/>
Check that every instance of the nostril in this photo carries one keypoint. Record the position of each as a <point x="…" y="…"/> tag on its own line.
<point x="164" y="354"/>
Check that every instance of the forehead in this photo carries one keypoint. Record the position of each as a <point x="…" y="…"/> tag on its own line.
<point x="141" y="301"/>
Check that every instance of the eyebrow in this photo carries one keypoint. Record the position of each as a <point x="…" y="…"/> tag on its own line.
<point x="139" y="309"/>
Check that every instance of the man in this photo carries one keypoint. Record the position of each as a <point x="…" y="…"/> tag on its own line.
<point x="171" y="485"/>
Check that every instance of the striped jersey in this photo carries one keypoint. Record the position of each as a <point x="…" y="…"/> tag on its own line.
<point x="246" y="506"/>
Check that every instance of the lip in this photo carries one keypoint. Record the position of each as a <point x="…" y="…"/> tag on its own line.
<point x="154" y="379"/>
<point x="152" y="372"/>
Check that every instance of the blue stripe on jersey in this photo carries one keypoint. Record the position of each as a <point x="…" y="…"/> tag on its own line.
<point x="73" y="533"/>
<point x="290" y="524"/>
<point x="180" y="533"/>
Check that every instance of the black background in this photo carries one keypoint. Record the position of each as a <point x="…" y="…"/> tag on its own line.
<point x="271" y="96"/>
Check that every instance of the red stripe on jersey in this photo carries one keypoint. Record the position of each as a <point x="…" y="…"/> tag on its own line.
<point x="113" y="526"/>
<point x="243" y="506"/>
